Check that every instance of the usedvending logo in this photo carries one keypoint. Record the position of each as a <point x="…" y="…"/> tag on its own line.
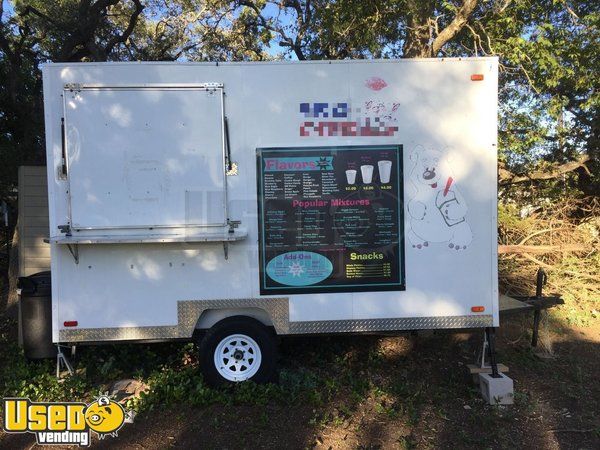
<point x="60" y="423"/>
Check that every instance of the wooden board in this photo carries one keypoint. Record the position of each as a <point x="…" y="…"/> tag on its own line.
<point x="34" y="253"/>
<point x="475" y="369"/>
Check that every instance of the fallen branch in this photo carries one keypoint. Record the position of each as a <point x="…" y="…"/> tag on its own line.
<point x="549" y="267"/>
<point x="573" y="430"/>
<point x="540" y="249"/>
<point x="507" y="177"/>
<point x="537" y="233"/>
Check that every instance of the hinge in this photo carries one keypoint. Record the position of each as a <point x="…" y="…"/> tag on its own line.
<point x="212" y="85"/>
<point x="73" y="87"/>
<point x="211" y="88"/>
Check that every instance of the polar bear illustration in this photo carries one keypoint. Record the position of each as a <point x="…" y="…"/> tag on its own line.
<point x="437" y="210"/>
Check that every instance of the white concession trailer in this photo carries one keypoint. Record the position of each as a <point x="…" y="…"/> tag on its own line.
<point x="241" y="198"/>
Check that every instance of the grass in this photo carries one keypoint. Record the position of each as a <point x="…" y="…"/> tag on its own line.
<point x="170" y="371"/>
<point x="368" y="387"/>
<point x="423" y="391"/>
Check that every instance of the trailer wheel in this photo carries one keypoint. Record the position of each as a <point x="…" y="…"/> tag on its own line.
<point x="238" y="349"/>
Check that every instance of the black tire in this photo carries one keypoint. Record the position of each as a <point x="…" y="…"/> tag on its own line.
<point x="250" y="327"/>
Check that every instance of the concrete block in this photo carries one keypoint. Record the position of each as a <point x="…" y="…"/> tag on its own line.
<point x="496" y="391"/>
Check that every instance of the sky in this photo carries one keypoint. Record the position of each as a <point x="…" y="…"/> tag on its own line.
<point x="8" y="7"/>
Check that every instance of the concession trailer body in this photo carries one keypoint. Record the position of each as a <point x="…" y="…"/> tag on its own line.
<point x="310" y="197"/>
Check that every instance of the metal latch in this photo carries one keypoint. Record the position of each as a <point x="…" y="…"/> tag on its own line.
<point x="65" y="229"/>
<point x="233" y="224"/>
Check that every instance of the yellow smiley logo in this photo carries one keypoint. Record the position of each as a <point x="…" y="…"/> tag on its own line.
<point x="105" y="416"/>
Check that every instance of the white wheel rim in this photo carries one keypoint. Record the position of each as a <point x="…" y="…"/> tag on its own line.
<point x="237" y="357"/>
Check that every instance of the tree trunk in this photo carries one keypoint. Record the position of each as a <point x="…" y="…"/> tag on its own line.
<point x="423" y="38"/>
<point x="418" y="35"/>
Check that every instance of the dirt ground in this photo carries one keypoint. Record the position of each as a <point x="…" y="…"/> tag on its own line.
<point x="399" y="392"/>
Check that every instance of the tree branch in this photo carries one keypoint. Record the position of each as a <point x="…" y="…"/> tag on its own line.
<point x="549" y="267"/>
<point x="294" y="44"/>
<point x="457" y="24"/>
<point x="127" y="32"/>
<point x="36" y="12"/>
<point x="507" y="177"/>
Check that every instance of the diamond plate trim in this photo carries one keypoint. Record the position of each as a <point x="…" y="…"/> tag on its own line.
<point x="118" y="334"/>
<point x="413" y="323"/>
<point x="188" y="313"/>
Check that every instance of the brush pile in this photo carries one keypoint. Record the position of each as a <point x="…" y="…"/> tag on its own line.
<point x="562" y="238"/>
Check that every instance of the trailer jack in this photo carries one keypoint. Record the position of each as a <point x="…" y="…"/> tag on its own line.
<point x="496" y="388"/>
<point x="489" y="341"/>
<point x="62" y="361"/>
<point x="486" y="361"/>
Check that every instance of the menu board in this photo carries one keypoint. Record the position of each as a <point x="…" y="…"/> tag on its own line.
<point x="330" y="219"/>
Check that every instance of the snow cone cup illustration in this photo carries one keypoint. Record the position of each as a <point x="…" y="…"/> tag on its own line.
<point x="367" y="173"/>
<point x="385" y="171"/>
<point x="351" y="176"/>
